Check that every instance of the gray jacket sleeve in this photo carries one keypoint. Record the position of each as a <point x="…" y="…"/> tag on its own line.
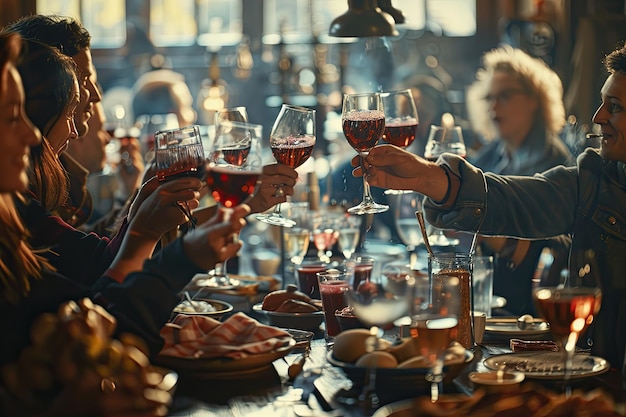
<point x="536" y="207"/>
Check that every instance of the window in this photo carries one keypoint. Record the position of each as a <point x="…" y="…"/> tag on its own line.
<point x="105" y="19"/>
<point x="294" y="16"/>
<point x="172" y="22"/>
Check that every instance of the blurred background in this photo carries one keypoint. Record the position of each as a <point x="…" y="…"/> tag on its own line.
<point x="262" y="53"/>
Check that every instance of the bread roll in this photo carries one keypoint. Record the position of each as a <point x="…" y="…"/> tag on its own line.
<point x="274" y="299"/>
<point x="296" y="306"/>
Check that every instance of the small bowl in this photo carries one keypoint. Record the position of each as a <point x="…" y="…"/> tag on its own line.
<point x="509" y="381"/>
<point x="220" y="308"/>
<point x="299" y="321"/>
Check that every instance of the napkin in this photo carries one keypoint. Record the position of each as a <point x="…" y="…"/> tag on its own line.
<point x="239" y="336"/>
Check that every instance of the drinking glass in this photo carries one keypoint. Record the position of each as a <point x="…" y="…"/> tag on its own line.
<point x="292" y="140"/>
<point x="570" y="308"/>
<point x="333" y="285"/>
<point x="362" y="266"/>
<point x="324" y="232"/>
<point x="232" y="172"/>
<point x="443" y="139"/>
<point x="363" y="121"/>
<point x="435" y="322"/>
<point x="179" y="153"/>
<point x="230" y="114"/>
<point x="349" y="232"/>
<point x="297" y="241"/>
<point x="378" y="299"/>
<point x="459" y="265"/>
<point x="306" y="274"/>
<point x="400" y="121"/>
<point x="407" y="226"/>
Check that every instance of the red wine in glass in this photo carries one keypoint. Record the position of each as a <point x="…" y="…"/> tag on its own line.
<point x="293" y="152"/>
<point x="180" y="171"/>
<point x="569" y="310"/>
<point x="236" y="156"/>
<point x="231" y="187"/>
<point x="333" y="298"/>
<point x="400" y="133"/>
<point x="363" y="123"/>
<point x="291" y="140"/>
<point x="363" y="129"/>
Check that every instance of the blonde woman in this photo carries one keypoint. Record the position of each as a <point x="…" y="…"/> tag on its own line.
<point x="516" y="105"/>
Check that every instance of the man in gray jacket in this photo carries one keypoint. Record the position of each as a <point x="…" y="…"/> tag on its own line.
<point x="586" y="201"/>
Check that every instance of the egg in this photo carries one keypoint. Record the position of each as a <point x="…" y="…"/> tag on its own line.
<point x="377" y="359"/>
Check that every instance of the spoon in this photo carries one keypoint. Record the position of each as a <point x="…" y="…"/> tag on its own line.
<point x="525" y="321"/>
<point x="191" y="303"/>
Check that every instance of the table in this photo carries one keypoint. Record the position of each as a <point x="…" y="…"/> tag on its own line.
<point x="266" y="392"/>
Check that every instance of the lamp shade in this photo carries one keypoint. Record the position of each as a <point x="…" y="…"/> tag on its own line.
<point x="385" y="6"/>
<point x="363" y="19"/>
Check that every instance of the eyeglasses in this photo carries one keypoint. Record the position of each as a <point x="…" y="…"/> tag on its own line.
<point x="504" y="96"/>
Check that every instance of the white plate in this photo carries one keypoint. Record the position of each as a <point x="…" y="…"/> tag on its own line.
<point x="209" y="282"/>
<point x="547" y="365"/>
<point x="507" y="327"/>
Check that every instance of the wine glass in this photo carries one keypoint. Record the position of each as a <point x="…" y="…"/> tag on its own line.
<point x="234" y="165"/>
<point x="570" y="308"/>
<point x="443" y="139"/>
<point x="179" y="153"/>
<point x="292" y="140"/>
<point x="349" y="233"/>
<point x="435" y="322"/>
<point x="407" y="226"/>
<point x="363" y="121"/>
<point x="400" y="121"/>
<point x="378" y="299"/>
<point x="324" y="232"/>
<point x="231" y="114"/>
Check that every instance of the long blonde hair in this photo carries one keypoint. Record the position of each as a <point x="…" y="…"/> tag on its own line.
<point x="534" y="74"/>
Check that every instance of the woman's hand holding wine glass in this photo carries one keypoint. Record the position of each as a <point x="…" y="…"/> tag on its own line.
<point x="179" y="153"/>
<point x="292" y="140"/>
<point x="234" y="166"/>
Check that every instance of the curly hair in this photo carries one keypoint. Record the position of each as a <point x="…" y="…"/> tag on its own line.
<point x="533" y="74"/>
<point x="616" y="61"/>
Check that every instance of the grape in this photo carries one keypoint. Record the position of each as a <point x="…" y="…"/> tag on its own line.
<point x="70" y="347"/>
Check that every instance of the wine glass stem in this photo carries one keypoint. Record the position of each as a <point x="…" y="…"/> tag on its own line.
<point x="435" y="377"/>
<point x="569" y="348"/>
<point x="367" y="195"/>
<point x="220" y="269"/>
